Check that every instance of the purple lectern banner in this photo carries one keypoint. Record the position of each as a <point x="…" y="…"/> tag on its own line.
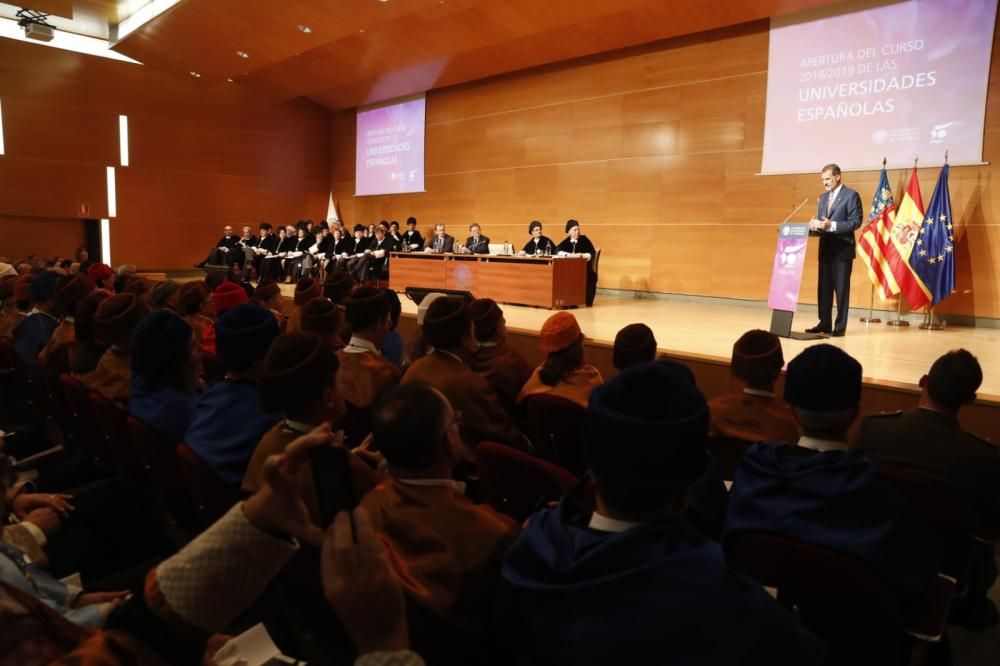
<point x="789" y="256"/>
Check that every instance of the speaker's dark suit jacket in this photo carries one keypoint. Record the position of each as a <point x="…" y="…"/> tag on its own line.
<point x="846" y="213"/>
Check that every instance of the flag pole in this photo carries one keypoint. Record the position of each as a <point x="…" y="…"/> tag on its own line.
<point x="871" y="319"/>
<point x="898" y="321"/>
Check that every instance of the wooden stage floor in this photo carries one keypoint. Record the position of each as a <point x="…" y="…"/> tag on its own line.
<point x="891" y="356"/>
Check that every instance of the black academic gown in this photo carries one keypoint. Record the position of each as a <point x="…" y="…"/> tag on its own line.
<point x="539" y="246"/>
<point x="413" y="238"/>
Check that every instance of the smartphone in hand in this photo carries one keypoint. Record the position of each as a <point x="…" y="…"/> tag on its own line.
<point x="334" y="481"/>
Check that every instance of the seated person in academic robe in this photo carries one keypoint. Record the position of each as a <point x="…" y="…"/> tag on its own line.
<point x="32" y="334"/>
<point x="203" y="588"/>
<point x="70" y="290"/>
<point x="411" y="237"/>
<point x="505" y="369"/>
<point x="245" y="246"/>
<point x="297" y="259"/>
<point x="21" y="572"/>
<point x="166" y="365"/>
<point x="103" y="277"/>
<point x="632" y="582"/>
<point x="196" y="304"/>
<point x="164" y="295"/>
<point x="342" y="243"/>
<point x="448" y="330"/>
<point x="577" y="244"/>
<point x="228" y="421"/>
<point x="445" y="549"/>
<point x="139" y="286"/>
<point x="364" y="375"/>
<point x="539" y="243"/>
<point x="818" y="491"/>
<point x="272" y="265"/>
<point x="635" y="344"/>
<point x="755" y="413"/>
<point x="10" y="316"/>
<point x="356" y="254"/>
<point x="393" y="347"/>
<point x="116" y="318"/>
<point x="225" y="297"/>
<point x="418" y="347"/>
<point x="376" y="256"/>
<point x="440" y="242"/>
<point x="268" y="296"/>
<point x="394" y="235"/>
<point x="325" y="319"/>
<point x="306" y="289"/>
<point x="564" y="374"/>
<point x="298" y="379"/>
<point x="337" y="286"/>
<point x="86" y="350"/>
<point x="930" y="440"/>
<point x="476" y="243"/>
<point x="266" y="245"/>
<point x="226" y="250"/>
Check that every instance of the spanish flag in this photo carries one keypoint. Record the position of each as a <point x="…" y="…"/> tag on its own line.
<point x="902" y="237"/>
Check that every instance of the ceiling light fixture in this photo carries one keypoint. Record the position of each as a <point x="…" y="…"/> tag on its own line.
<point x="196" y="75"/>
<point x="304" y="28"/>
<point x="243" y="54"/>
<point x="229" y="81"/>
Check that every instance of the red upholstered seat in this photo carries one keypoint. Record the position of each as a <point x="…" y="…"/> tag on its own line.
<point x="945" y="511"/>
<point x="212" y="496"/>
<point x="515" y="483"/>
<point x="124" y="456"/>
<point x="164" y="473"/>
<point x="841" y="599"/>
<point x="89" y="435"/>
<point x="555" y="427"/>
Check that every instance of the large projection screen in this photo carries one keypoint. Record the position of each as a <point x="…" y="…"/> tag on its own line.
<point x="390" y="148"/>
<point x="876" y="80"/>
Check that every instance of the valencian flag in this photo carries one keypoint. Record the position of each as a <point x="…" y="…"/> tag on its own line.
<point x="872" y="245"/>
<point x="933" y="257"/>
<point x="903" y="237"/>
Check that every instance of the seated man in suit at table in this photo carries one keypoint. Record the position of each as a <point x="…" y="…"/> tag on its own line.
<point x="441" y="242"/>
<point x="477" y="243"/>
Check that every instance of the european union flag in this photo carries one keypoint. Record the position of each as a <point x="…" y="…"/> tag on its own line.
<point x="933" y="256"/>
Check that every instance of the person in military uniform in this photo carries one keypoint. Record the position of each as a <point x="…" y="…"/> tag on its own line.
<point x="929" y="439"/>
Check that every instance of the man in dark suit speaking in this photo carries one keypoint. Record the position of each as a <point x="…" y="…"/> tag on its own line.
<point x="838" y="214"/>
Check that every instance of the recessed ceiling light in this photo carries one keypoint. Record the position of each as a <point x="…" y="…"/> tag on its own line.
<point x="229" y="81"/>
<point x="305" y="28"/>
<point x="383" y="0"/>
<point x="196" y="75"/>
<point x="243" y="54"/>
<point x="362" y="30"/>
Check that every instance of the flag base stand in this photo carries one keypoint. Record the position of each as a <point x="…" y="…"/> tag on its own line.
<point x="781" y="325"/>
<point x="930" y="323"/>
<point x="871" y="318"/>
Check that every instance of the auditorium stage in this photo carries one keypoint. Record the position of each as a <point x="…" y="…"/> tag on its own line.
<point x="705" y="329"/>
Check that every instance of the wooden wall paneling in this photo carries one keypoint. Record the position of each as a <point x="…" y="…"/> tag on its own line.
<point x="690" y="117"/>
<point x="44" y="188"/>
<point x="41" y="236"/>
<point x="48" y="132"/>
